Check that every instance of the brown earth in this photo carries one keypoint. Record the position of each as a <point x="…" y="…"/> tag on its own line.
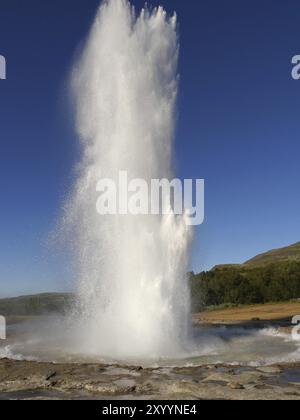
<point x="268" y="312"/>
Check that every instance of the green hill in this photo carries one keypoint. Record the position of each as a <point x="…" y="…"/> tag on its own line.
<point x="40" y="304"/>
<point x="270" y="277"/>
<point x="289" y="253"/>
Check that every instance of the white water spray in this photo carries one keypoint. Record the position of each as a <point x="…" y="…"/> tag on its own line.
<point x="131" y="269"/>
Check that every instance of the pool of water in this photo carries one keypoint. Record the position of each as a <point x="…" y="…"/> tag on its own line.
<point x="54" y="340"/>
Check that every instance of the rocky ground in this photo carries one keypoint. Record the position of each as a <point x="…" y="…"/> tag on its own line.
<point x="31" y="380"/>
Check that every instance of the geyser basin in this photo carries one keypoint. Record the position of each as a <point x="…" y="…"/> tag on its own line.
<point x="45" y="339"/>
<point x="134" y="298"/>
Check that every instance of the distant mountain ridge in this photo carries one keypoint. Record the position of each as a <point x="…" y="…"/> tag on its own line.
<point x="288" y="253"/>
<point x="40" y="304"/>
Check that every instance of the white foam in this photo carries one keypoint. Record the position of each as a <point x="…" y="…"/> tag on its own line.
<point x="7" y="352"/>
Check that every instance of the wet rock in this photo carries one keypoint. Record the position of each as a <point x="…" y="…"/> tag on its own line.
<point x="262" y="386"/>
<point x="103" y="389"/>
<point x="30" y="380"/>
<point x="138" y="368"/>
<point x="235" y="385"/>
<point x="125" y="384"/>
<point x="53" y="383"/>
<point x="269" y="369"/>
<point x="50" y="376"/>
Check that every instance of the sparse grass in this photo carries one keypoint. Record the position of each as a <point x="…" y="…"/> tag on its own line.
<point x="243" y="313"/>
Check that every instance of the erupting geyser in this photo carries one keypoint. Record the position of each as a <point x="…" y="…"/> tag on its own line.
<point x="134" y="299"/>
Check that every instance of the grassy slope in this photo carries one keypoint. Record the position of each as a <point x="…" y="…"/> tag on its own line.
<point x="266" y="312"/>
<point x="288" y="253"/>
<point x="36" y="304"/>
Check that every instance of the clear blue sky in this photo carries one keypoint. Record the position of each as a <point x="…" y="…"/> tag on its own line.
<point x="238" y="127"/>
